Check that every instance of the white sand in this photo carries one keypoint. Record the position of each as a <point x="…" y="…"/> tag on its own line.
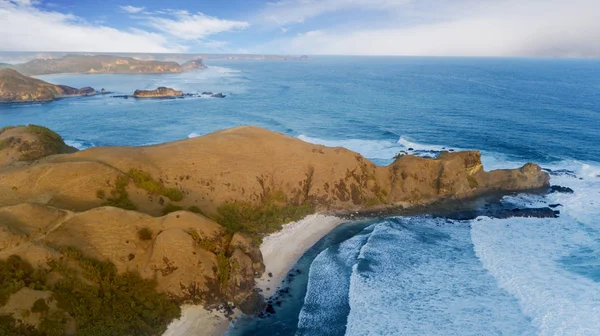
<point x="281" y="251"/>
<point x="197" y="321"/>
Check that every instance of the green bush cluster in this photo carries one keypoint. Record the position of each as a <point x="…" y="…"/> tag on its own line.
<point x="145" y="233"/>
<point x="107" y="303"/>
<point x="144" y="180"/>
<point x="10" y="327"/>
<point x="171" y="208"/>
<point x="263" y="219"/>
<point x="119" y="197"/>
<point x="16" y="273"/>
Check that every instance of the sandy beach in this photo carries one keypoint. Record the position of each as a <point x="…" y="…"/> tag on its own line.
<point x="280" y="250"/>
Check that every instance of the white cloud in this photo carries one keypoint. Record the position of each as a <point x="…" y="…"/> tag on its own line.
<point x="469" y="28"/>
<point x="187" y="26"/>
<point x="24" y="27"/>
<point x="297" y="11"/>
<point x="131" y="9"/>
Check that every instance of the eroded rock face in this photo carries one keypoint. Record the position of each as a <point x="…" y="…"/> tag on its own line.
<point x="161" y="92"/>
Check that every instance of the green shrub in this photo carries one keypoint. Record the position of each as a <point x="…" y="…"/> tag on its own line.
<point x="47" y="137"/>
<point x="171" y="208"/>
<point x="100" y="194"/>
<point x="195" y="210"/>
<point x="145" y="233"/>
<point x="16" y="273"/>
<point x="108" y="303"/>
<point x="258" y="220"/>
<point x="40" y="306"/>
<point x="10" y="327"/>
<point x="144" y="180"/>
<point x="119" y="197"/>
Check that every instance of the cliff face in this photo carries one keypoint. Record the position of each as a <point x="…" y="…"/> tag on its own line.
<point x="161" y="92"/>
<point x="193" y="65"/>
<point x="102" y="64"/>
<point x="15" y="87"/>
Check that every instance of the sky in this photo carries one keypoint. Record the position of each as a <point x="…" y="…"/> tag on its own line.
<point x="500" y="28"/>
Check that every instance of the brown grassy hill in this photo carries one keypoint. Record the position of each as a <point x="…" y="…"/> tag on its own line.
<point x="183" y="255"/>
<point x="102" y="64"/>
<point x="28" y="143"/>
<point x="15" y="87"/>
<point x="241" y="174"/>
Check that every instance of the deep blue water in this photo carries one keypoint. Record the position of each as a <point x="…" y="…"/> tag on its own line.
<point x="404" y="275"/>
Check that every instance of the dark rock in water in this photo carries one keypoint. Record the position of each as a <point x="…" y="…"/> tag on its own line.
<point x="270" y="309"/>
<point x="555" y="205"/>
<point x="561" y="189"/>
<point x="411" y="149"/>
<point x="450" y="150"/>
<point x="278" y="303"/>
<point x="87" y="91"/>
<point x="559" y="172"/>
<point x="504" y="213"/>
<point x="298" y="271"/>
<point x="207" y="93"/>
<point x="120" y="96"/>
<point x="270" y="275"/>
<point x="218" y="95"/>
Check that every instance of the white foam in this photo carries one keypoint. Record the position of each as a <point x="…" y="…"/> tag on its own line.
<point x="523" y="255"/>
<point x="80" y="145"/>
<point x="421" y="277"/>
<point x="193" y="135"/>
<point x="406" y="143"/>
<point x="371" y="149"/>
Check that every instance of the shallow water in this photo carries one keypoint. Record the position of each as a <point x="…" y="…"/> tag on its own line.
<point x="411" y="275"/>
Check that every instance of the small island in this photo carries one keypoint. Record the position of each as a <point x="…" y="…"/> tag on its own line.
<point x="161" y="92"/>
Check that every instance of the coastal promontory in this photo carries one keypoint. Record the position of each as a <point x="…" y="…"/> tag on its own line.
<point x="131" y="233"/>
<point x="92" y="64"/>
<point x="16" y="87"/>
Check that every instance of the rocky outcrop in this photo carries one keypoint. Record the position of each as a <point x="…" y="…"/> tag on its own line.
<point x="218" y="95"/>
<point x="15" y="88"/>
<point x="102" y="64"/>
<point x="161" y="92"/>
<point x="193" y="65"/>
<point x="22" y="144"/>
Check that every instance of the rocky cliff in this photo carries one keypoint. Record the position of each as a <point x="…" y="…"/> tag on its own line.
<point x="15" y="88"/>
<point x="22" y="144"/>
<point x="102" y="64"/>
<point x="191" y="215"/>
<point x="161" y="92"/>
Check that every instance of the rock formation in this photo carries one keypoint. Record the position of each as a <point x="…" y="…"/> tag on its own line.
<point x="161" y="92"/>
<point x="193" y="65"/>
<point x="102" y="64"/>
<point x="15" y="88"/>
<point x="192" y="211"/>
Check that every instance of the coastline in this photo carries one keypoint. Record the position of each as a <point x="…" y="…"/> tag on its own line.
<point x="281" y="250"/>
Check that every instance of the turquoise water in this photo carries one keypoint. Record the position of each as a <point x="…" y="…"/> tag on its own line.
<point x="402" y="275"/>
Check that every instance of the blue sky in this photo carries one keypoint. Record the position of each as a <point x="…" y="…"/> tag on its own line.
<point x="553" y="28"/>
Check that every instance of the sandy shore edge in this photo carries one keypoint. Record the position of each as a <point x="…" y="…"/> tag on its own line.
<point x="281" y="250"/>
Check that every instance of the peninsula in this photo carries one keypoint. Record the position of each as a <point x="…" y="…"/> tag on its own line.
<point x="103" y="64"/>
<point x="181" y="222"/>
<point x="17" y="88"/>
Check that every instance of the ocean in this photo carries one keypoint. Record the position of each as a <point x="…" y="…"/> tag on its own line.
<point x="418" y="275"/>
